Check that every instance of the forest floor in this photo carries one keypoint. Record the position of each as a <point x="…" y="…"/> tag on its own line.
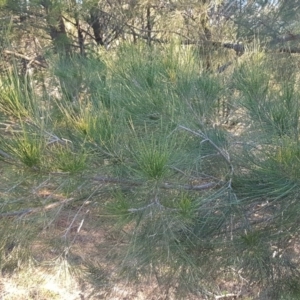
<point x="62" y="274"/>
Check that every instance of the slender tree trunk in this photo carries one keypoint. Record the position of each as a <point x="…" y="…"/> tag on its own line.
<point x="80" y="37"/>
<point x="60" y="38"/>
<point x="58" y="32"/>
<point x="149" y="26"/>
<point x="97" y="26"/>
<point x="207" y="33"/>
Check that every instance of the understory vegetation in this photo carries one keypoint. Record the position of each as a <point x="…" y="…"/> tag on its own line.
<point x="148" y="168"/>
<point x="193" y="175"/>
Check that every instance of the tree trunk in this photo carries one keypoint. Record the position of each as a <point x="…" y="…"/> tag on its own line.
<point x="57" y="31"/>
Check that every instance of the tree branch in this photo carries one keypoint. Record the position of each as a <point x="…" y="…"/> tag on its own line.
<point x="27" y="211"/>
<point x="35" y="60"/>
<point x="286" y="38"/>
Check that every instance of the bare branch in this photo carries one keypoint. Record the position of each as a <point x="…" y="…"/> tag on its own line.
<point x="35" y="60"/>
<point x="226" y="296"/>
<point x="4" y="154"/>
<point x="286" y="38"/>
<point x="27" y="211"/>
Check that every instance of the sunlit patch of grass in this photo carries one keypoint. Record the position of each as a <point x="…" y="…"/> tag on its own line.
<point x="102" y="128"/>
<point x="287" y="159"/>
<point x="152" y="157"/>
<point x="92" y="123"/>
<point x="15" y="95"/>
<point x="187" y="209"/>
<point x="27" y="148"/>
<point x="38" y="283"/>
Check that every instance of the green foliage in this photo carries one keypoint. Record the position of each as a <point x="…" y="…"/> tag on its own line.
<point x="287" y="158"/>
<point x="80" y="78"/>
<point x="187" y="209"/>
<point x="144" y="83"/>
<point x="178" y="151"/>
<point x="272" y="105"/>
<point x="67" y="160"/>
<point x="201" y="93"/>
<point x="16" y="95"/>
<point x="135" y="140"/>
<point x="3" y="3"/>
<point x="27" y="148"/>
<point x="152" y="157"/>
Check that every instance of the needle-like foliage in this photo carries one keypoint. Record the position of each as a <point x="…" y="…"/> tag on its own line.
<point x="140" y="147"/>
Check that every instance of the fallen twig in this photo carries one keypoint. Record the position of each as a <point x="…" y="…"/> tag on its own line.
<point x="4" y="154"/>
<point x="31" y="60"/>
<point x="17" y="213"/>
<point x="226" y="296"/>
<point x="27" y="211"/>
